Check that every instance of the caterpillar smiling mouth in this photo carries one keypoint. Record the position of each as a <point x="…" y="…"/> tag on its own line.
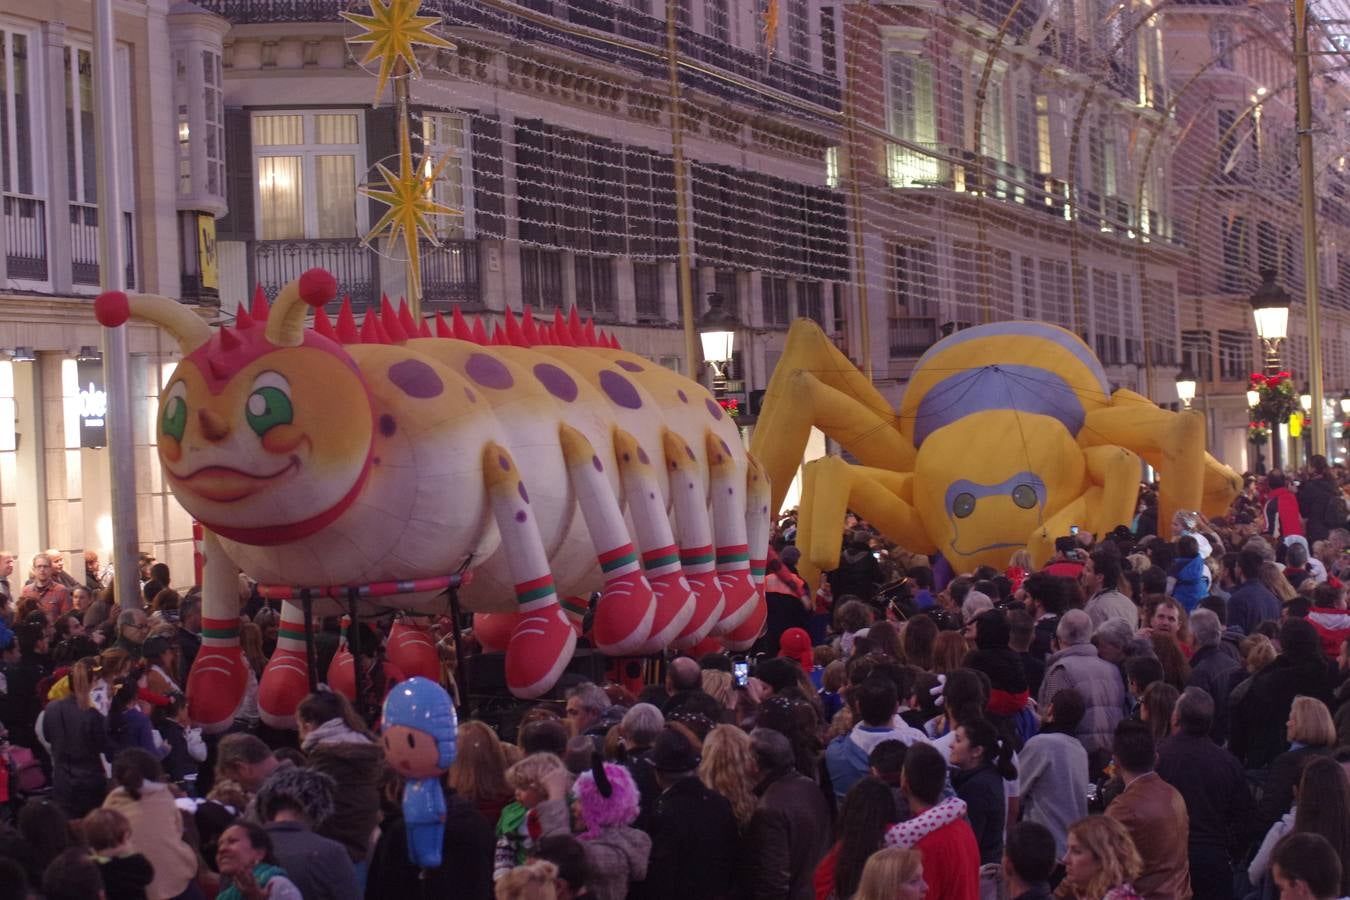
<point x="223" y="484"/>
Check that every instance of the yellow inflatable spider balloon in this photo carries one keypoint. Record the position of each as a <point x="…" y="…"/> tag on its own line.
<point x="1007" y="435"/>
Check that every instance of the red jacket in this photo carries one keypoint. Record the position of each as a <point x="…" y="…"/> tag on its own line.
<point x="1333" y="627"/>
<point x="951" y="862"/>
<point x="1281" y="514"/>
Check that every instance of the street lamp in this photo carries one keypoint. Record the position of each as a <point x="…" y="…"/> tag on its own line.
<point x="1270" y="309"/>
<point x="717" y="333"/>
<point x="1253" y="398"/>
<point x="1345" y="403"/>
<point x="1305" y="398"/>
<point x="1186" y="387"/>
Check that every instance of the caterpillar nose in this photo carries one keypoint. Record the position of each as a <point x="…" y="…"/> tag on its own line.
<point x="214" y="427"/>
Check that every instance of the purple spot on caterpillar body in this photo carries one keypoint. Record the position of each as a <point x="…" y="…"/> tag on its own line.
<point x="521" y="489"/>
<point x="520" y="516"/>
<point x="387" y="425"/>
<point x="504" y="463"/>
<point x="489" y="372"/>
<point x="416" y="379"/>
<point x="642" y="456"/>
<point x="628" y="366"/>
<point x="620" y="390"/>
<point x="556" y="381"/>
<point x="714" y="408"/>
<point x="599" y="466"/>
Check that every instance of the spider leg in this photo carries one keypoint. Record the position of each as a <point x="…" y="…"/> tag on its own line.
<point x="830" y="487"/>
<point x="816" y="385"/>
<point x="1113" y="488"/>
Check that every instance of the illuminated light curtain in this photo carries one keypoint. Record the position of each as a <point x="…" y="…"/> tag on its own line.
<point x="281" y="207"/>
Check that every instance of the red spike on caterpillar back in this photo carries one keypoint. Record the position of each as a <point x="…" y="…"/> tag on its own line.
<point x="242" y="319"/>
<point x="528" y="328"/>
<point x="424" y="328"/>
<point x="442" y="327"/>
<point x="590" y="332"/>
<point x="371" y="332"/>
<point x="498" y="336"/>
<point x="513" y="335"/>
<point x="260" y="306"/>
<point x="479" y="334"/>
<point x="574" y="328"/>
<point x="561" y="333"/>
<point x="393" y="329"/>
<point x="405" y="318"/>
<point x="347" y="331"/>
<point x="462" y="331"/>
<point x="322" y="326"/>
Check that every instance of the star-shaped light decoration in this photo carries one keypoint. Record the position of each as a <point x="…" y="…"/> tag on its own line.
<point x="408" y="194"/>
<point x="392" y="29"/>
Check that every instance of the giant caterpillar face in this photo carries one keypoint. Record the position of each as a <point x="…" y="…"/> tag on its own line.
<point x="272" y="449"/>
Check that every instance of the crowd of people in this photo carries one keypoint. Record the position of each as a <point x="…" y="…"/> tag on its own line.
<point x="1158" y="712"/>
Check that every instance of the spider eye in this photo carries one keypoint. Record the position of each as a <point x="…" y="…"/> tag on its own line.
<point x="963" y="505"/>
<point x="1024" y="495"/>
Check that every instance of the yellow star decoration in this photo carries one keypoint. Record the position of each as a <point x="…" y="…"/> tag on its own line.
<point x="392" y="29"/>
<point x="409" y="198"/>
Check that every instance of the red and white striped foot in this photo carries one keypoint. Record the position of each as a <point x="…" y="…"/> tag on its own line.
<point x="674" y="609"/>
<point x="623" y="615"/>
<point x="216" y="686"/>
<point x="540" y="649"/>
<point x="744" y="635"/>
<point x="411" y="648"/>
<point x="285" y="682"/>
<point x="708" y="610"/>
<point x="742" y="594"/>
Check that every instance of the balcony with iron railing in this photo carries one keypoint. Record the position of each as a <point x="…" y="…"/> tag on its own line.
<point x="604" y="16"/>
<point x="25" y="237"/>
<point x="354" y="265"/>
<point x="450" y="273"/>
<point x="84" y="246"/>
<point x="911" y="336"/>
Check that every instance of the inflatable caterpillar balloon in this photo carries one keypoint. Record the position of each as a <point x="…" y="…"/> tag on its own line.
<point x="385" y="456"/>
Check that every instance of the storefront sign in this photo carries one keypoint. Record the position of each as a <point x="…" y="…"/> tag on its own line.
<point x="93" y="404"/>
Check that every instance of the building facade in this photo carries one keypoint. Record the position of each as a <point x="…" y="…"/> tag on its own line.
<point x="54" y="479"/>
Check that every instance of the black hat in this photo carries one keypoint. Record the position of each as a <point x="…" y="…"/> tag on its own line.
<point x="672" y="752"/>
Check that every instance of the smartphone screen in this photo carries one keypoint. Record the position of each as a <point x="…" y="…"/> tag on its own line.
<point x="741" y="669"/>
<point x="1073" y="529"/>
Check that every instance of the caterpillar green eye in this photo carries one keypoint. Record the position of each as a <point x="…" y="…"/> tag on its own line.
<point x="963" y="505"/>
<point x="1024" y="495"/>
<point x="267" y="408"/>
<point x="173" y="421"/>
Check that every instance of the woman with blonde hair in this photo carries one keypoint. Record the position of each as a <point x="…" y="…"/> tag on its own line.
<point x="533" y="881"/>
<point x="1311" y="733"/>
<point x="1272" y="576"/>
<point x="892" y="874"/>
<point x="1100" y="862"/>
<point x="479" y="770"/>
<point x="250" y="642"/>
<point x="721" y="687"/>
<point x="728" y="767"/>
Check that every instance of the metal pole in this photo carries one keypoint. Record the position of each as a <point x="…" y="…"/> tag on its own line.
<point x="412" y="268"/>
<point x="112" y="276"/>
<point x="1306" y="177"/>
<point x="683" y="267"/>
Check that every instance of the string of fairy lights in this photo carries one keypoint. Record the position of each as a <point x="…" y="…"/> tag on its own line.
<point x="1124" y="169"/>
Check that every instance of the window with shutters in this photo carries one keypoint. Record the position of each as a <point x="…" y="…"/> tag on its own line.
<point x="445" y="141"/>
<point x="1106" y="311"/>
<point x="1197" y="355"/>
<point x="307" y="167"/>
<point x="647" y="290"/>
<point x="20" y="128"/>
<point x="827" y="41"/>
<point x="799" y="32"/>
<point x="1221" y="45"/>
<point x="777" y="302"/>
<point x="1056" y="293"/>
<point x="717" y="20"/>
<point x="811" y="301"/>
<point x="728" y="283"/>
<point x="1235" y="355"/>
<point x="1160" y="321"/>
<point x="595" y="284"/>
<point x="913" y="279"/>
<point x="1044" y="154"/>
<point x="1029" y="306"/>
<point x="992" y="139"/>
<point x="1236" y="255"/>
<point x="910" y="115"/>
<point x="541" y="277"/>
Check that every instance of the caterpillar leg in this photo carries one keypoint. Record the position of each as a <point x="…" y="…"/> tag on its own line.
<point x="543" y="639"/>
<point x="727" y="487"/>
<point x="285" y="681"/>
<point x="216" y="683"/>
<point x="660" y="557"/>
<point x="627" y="607"/>
<point x="412" y="650"/>
<point x="744" y="635"/>
<point x="696" y="541"/>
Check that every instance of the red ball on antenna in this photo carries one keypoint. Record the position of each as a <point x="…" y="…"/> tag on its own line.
<point x="112" y="308"/>
<point x="317" y="287"/>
